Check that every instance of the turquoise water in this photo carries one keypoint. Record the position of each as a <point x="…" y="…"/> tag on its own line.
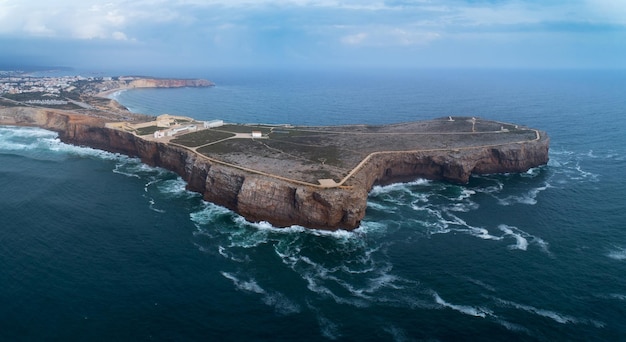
<point x="97" y="246"/>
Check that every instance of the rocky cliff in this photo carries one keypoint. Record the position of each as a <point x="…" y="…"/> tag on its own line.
<point x="102" y="88"/>
<point x="282" y="203"/>
<point x="168" y="83"/>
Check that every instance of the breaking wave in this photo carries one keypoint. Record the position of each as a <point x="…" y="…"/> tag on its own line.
<point x="38" y="143"/>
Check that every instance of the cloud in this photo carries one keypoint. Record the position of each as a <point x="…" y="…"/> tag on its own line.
<point x="388" y="36"/>
<point x="117" y="35"/>
<point x="354" y="39"/>
<point x="277" y="30"/>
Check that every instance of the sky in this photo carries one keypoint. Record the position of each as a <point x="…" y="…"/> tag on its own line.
<point x="314" y="33"/>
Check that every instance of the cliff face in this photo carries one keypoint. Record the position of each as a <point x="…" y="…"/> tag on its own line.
<point x="282" y="203"/>
<point x="168" y="83"/>
<point x="455" y="166"/>
<point x="255" y="197"/>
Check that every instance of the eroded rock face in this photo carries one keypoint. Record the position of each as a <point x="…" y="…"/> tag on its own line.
<point x="282" y="203"/>
<point x="168" y="83"/>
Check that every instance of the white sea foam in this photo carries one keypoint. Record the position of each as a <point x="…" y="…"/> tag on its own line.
<point x="150" y="183"/>
<point x="294" y="229"/>
<point x="119" y="169"/>
<point x="529" y="197"/>
<point x="209" y="213"/>
<point x="513" y="326"/>
<point x="618" y="296"/>
<point x="481" y="284"/>
<point x="328" y="328"/>
<point x="553" y="315"/>
<point x="618" y="253"/>
<point x="154" y="208"/>
<point x="229" y="255"/>
<point x="566" y="166"/>
<point x="244" y="285"/>
<point x="397" y="334"/>
<point x="28" y="138"/>
<point x="396" y="187"/>
<point x="280" y="303"/>
<point x="462" y="226"/>
<point x="465" y="309"/>
<point x="521" y="242"/>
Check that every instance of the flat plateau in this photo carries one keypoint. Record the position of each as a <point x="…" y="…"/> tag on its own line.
<point x="315" y="177"/>
<point x="328" y="156"/>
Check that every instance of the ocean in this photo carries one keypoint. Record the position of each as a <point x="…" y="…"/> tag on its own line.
<point x="98" y="246"/>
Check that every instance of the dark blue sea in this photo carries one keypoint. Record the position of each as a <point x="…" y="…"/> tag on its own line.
<point x="96" y="246"/>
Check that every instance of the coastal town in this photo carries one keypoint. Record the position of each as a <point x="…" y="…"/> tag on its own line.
<point x="268" y="172"/>
<point x="19" y="83"/>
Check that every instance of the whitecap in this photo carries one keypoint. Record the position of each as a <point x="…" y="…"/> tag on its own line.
<point x="618" y="296"/>
<point x="278" y="301"/>
<point x="377" y="206"/>
<point x="474" y="231"/>
<point x="30" y="138"/>
<point x="283" y="305"/>
<point x="244" y="285"/>
<point x="465" y="193"/>
<point x="553" y="315"/>
<point x="368" y="227"/>
<point x="119" y="170"/>
<point x="153" y="208"/>
<point x="209" y="213"/>
<point x="481" y="284"/>
<point x="397" y="187"/>
<point x="513" y="326"/>
<point x="618" y="253"/>
<point x="521" y="242"/>
<point x="154" y="181"/>
<point x="228" y="255"/>
<point x="468" y="310"/>
<point x="529" y="198"/>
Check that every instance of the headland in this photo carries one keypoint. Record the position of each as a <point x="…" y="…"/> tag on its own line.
<point x="316" y="177"/>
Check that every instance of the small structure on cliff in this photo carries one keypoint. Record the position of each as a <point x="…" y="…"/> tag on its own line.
<point x="213" y="123"/>
<point x="319" y="177"/>
<point x="316" y="177"/>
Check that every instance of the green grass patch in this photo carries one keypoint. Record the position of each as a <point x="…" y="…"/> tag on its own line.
<point x="148" y="130"/>
<point x="203" y="137"/>
<point x="245" y="128"/>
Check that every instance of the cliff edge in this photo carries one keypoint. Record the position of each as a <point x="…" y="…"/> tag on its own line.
<point x="339" y="200"/>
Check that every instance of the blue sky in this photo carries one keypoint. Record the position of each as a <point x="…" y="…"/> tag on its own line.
<point x="315" y="33"/>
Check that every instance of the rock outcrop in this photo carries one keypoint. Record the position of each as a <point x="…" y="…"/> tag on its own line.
<point x="168" y="83"/>
<point x="279" y="202"/>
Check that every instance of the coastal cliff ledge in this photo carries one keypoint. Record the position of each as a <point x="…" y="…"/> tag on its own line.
<point x="316" y="177"/>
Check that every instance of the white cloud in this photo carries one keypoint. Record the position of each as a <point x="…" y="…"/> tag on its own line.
<point x="386" y="36"/>
<point x="610" y="11"/>
<point x="354" y="39"/>
<point x="117" y="35"/>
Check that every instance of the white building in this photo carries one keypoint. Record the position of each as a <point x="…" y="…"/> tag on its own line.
<point x="213" y="123"/>
<point x="188" y="128"/>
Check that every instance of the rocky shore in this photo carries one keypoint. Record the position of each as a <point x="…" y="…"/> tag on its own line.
<point x="259" y="197"/>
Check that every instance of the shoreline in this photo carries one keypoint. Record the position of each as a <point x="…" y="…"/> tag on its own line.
<point x="110" y="94"/>
<point x="277" y="183"/>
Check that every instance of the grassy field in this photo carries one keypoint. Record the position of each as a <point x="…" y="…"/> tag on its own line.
<point x="312" y="153"/>
<point x="148" y="130"/>
<point x="203" y="137"/>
